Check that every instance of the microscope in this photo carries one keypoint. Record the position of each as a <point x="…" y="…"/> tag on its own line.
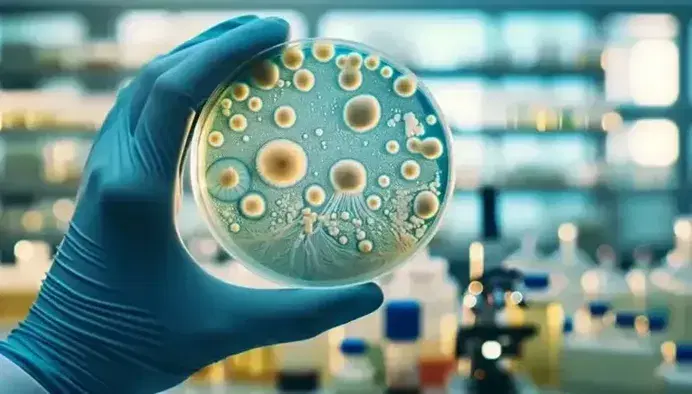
<point x="488" y="342"/>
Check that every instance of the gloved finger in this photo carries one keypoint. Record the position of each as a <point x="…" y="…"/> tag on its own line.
<point x="142" y="85"/>
<point x="177" y="92"/>
<point x="288" y="315"/>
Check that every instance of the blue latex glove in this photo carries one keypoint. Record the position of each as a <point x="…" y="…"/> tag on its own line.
<point x="125" y="309"/>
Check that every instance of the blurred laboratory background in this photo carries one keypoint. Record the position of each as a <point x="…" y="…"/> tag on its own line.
<point x="568" y="235"/>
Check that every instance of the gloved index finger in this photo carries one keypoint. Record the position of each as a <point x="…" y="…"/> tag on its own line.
<point x="161" y="128"/>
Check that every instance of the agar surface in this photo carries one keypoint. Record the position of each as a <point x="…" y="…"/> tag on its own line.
<point x="321" y="163"/>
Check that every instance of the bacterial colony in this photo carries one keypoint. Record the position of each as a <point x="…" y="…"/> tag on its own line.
<point x="321" y="164"/>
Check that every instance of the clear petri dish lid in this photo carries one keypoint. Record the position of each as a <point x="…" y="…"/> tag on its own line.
<point x="321" y="163"/>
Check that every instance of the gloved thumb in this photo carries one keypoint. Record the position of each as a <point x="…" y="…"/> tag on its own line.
<point x="297" y="314"/>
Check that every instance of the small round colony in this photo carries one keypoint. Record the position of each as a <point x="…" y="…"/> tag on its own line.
<point x="265" y="74"/>
<point x="253" y="205"/>
<point x="365" y="246"/>
<point x="215" y="139"/>
<point x="323" y="51"/>
<point x="293" y="57"/>
<point x="341" y="61"/>
<point x="386" y="72"/>
<point x="285" y="116"/>
<point x="350" y="79"/>
<point x="254" y="104"/>
<point x="383" y="181"/>
<point x="372" y="62"/>
<point x="405" y="85"/>
<point x="392" y="147"/>
<point x="304" y="80"/>
<point x="374" y="202"/>
<point x="240" y="91"/>
<point x="281" y="163"/>
<point x="410" y="170"/>
<point x="226" y="103"/>
<point x="426" y="204"/>
<point x="237" y="123"/>
<point x="431" y="120"/>
<point x="362" y="113"/>
<point x="348" y="176"/>
<point x="315" y="195"/>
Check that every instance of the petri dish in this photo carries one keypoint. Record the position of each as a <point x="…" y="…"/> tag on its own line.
<point x="320" y="163"/>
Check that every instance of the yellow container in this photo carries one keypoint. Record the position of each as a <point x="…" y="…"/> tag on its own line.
<point x="15" y="305"/>
<point x="540" y="356"/>
<point x="254" y="366"/>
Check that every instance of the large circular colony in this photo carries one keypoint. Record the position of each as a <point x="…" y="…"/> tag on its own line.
<point x="321" y="163"/>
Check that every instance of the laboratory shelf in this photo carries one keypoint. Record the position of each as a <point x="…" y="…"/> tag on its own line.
<point x="14" y="134"/>
<point x="8" y="72"/>
<point x="632" y="112"/>
<point x="528" y="132"/>
<point x="30" y="190"/>
<point x="474" y="71"/>
<point x="487" y="132"/>
<point x="503" y="71"/>
<point x="534" y="189"/>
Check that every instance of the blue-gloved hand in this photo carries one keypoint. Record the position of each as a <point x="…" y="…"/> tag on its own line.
<point x="125" y="309"/>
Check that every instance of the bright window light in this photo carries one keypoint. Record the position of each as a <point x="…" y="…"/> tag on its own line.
<point x="468" y="151"/>
<point x="431" y="40"/>
<point x="143" y="27"/>
<point x="461" y="101"/>
<point x="641" y="26"/>
<point x="519" y="213"/>
<point x="143" y="35"/>
<point x="190" y="23"/>
<point x="641" y="59"/>
<point x="615" y="60"/>
<point x="462" y="219"/>
<point x="653" y="143"/>
<point x="654" y="73"/>
<point x="45" y="29"/>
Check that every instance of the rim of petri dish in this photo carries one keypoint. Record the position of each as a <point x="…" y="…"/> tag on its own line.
<point x="196" y="148"/>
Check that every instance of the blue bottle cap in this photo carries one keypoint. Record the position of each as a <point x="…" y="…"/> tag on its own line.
<point x="660" y="312"/>
<point x="568" y="325"/>
<point x="536" y="281"/>
<point x="683" y="353"/>
<point x="598" y="308"/>
<point x="402" y="320"/>
<point x="625" y="319"/>
<point x="657" y="323"/>
<point x="353" y="346"/>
